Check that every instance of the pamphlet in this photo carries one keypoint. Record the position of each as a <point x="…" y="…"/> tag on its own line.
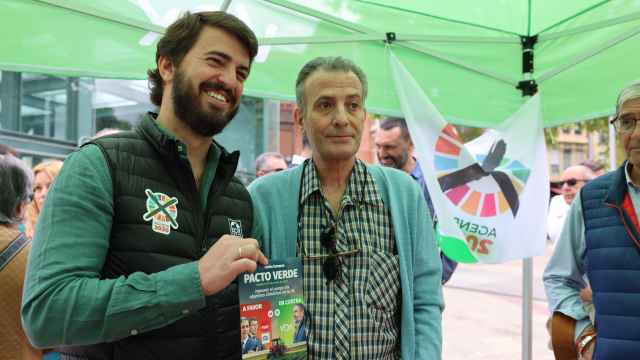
<point x="272" y="312"/>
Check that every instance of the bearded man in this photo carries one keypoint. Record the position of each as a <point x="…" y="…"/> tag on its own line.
<point x="132" y="257"/>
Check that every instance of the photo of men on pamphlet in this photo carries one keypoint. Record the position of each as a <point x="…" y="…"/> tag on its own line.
<point x="272" y="312"/>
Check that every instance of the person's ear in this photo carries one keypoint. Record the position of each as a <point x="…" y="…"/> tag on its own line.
<point x="21" y="209"/>
<point x="166" y="69"/>
<point x="298" y="118"/>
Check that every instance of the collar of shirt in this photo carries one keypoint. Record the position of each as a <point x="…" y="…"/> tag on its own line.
<point x="416" y="173"/>
<point x="627" y="175"/>
<point x="182" y="148"/>
<point x="360" y="186"/>
<point x="213" y="158"/>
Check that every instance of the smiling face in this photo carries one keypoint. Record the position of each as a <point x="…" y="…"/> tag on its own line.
<point x="392" y="148"/>
<point x="334" y="114"/>
<point x="206" y="87"/>
<point x="631" y="139"/>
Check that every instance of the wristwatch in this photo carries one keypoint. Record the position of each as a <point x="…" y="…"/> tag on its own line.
<point x="582" y="344"/>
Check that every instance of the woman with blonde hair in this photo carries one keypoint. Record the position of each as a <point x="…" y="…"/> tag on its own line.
<point x="44" y="173"/>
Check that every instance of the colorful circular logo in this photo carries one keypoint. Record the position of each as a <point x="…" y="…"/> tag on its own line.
<point x="483" y="185"/>
<point x="161" y="211"/>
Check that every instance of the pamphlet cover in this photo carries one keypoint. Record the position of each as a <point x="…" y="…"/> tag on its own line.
<point x="272" y="312"/>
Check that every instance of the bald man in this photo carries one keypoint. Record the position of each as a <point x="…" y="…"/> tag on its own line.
<point x="573" y="179"/>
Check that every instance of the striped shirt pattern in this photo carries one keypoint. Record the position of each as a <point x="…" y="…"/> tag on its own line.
<point x="356" y="316"/>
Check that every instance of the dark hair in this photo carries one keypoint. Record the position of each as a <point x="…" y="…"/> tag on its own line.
<point x="394" y="122"/>
<point x="16" y="182"/>
<point x="328" y="63"/>
<point x="180" y="37"/>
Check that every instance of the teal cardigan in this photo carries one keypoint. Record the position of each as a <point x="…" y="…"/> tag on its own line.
<point x="275" y="200"/>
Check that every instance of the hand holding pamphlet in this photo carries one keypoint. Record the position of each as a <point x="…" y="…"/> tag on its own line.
<point x="272" y="312"/>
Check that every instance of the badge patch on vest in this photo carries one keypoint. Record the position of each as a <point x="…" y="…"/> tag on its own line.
<point x="162" y="211"/>
<point x="235" y="227"/>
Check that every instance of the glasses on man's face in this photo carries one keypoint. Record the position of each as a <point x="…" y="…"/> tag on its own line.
<point x="571" y="182"/>
<point x="625" y="123"/>
<point x="332" y="264"/>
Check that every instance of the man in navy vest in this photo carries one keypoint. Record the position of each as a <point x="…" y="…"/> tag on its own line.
<point x="600" y="239"/>
<point x="142" y="234"/>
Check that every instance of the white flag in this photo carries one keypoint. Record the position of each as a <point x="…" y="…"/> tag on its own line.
<point x="491" y="194"/>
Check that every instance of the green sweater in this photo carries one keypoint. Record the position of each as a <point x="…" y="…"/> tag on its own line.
<point x="275" y="217"/>
<point x="65" y="302"/>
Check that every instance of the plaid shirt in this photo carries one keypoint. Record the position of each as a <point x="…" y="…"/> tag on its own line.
<point x="356" y="316"/>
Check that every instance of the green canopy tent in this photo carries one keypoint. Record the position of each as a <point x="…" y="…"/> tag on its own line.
<point x="466" y="54"/>
<point x="476" y="59"/>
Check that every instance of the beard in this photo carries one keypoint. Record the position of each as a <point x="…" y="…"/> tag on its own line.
<point x="187" y="106"/>
<point x="397" y="162"/>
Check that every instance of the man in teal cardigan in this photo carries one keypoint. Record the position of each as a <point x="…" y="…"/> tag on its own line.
<point x="371" y="265"/>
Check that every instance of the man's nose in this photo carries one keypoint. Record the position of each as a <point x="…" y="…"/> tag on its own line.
<point x="340" y="115"/>
<point x="228" y="77"/>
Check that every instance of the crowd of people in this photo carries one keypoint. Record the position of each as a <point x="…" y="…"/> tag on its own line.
<point x="136" y="242"/>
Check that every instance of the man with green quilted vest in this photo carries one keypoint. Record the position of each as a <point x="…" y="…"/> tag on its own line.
<point x="144" y="232"/>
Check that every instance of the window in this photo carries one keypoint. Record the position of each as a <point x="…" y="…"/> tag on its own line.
<point x="46" y="116"/>
<point x="578" y="129"/>
<point x="566" y="157"/>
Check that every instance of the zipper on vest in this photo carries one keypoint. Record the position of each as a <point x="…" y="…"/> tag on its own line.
<point x="199" y="218"/>
<point x="205" y="230"/>
<point x="203" y="225"/>
<point x="624" y="223"/>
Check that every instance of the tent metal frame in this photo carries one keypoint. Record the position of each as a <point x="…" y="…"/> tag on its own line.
<point x="413" y="46"/>
<point x="414" y="42"/>
<point x="417" y="43"/>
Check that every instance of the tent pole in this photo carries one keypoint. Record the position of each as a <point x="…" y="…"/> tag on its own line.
<point x="590" y="27"/>
<point x="529" y="87"/>
<point x="367" y="31"/>
<point x="588" y="54"/>
<point x="79" y="8"/>
<point x="302" y="40"/>
<point x="612" y="148"/>
<point x="225" y="5"/>
<point x="460" y="63"/>
<point x="527" y="307"/>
